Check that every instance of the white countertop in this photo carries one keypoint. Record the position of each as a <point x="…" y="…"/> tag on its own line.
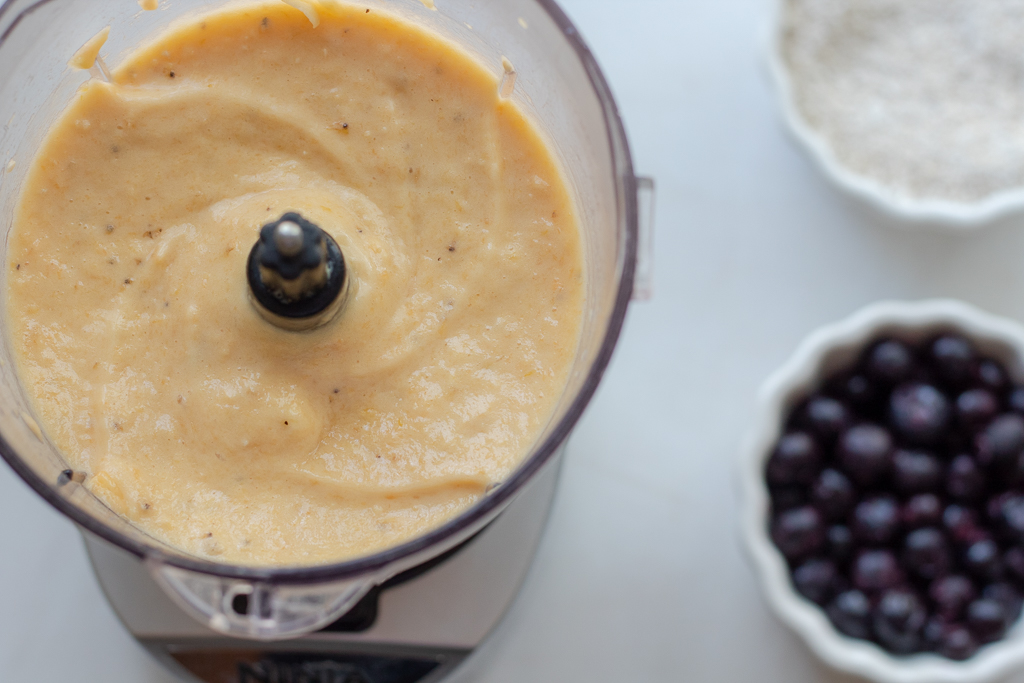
<point x="640" y="576"/>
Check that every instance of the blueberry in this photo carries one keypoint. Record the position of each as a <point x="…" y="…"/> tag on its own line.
<point x="857" y="390"/>
<point x="957" y="643"/>
<point x="865" y="452"/>
<point x="926" y="553"/>
<point x="919" y="412"/>
<point x="1013" y="561"/>
<point x="965" y="480"/>
<point x="990" y="375"/>
<point x="839" y="544"/>
<point x="850" y="613"/>
<point x="951" y="594"/>
<point x="953" y="357"/>
<point x="994" y="506"/>
<point x="976" y="407"/>
<point x="961" y="523"/>
<point x="796" y="460"/>
<point x="833" y="494"/>
<point x="1002" y="442"/>
<point x="876" y="570"/>
<point x="986" y="618"/>
<point x="826" y="417"/>
<point x="1007" y="596"/>
<point x="799" y="533"/>
<point x="916" y="471"/>
<point x="983" y="560"/>
<point x="1015" y="401"/>
<point x="889" y="362"/>
<point x="1007" y="512"/>
<point x="924" y="509"/>
<point x="816" y="580"/>
<point x="933" y="632"/>
<point x="876" y="520"/>
<point x="899" y="619"/>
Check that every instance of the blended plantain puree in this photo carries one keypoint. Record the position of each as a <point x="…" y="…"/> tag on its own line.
<point x="213" y="430"/>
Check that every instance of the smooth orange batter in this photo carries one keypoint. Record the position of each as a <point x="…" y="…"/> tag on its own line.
<point x="219" y="433"/>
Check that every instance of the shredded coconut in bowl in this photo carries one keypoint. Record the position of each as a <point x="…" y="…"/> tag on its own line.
<point x="924" y="96"/>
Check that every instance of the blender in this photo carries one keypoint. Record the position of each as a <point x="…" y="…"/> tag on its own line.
<point x="412" y="612"/>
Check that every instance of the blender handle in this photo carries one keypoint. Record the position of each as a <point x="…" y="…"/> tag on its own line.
<point x="258" y="610"/>
<point x="643" y="278"/>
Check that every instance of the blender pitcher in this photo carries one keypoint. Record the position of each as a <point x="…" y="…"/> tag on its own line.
<point x="555" y="80"/>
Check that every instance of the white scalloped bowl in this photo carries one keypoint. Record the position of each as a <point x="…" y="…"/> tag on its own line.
<point x="826" y="350"/>
<point x="907" y="211"/>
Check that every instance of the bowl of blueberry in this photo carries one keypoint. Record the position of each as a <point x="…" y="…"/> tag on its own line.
<point x="883" y="493"/>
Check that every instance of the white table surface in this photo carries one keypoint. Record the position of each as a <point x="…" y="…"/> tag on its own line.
<point x="640" y="576"/>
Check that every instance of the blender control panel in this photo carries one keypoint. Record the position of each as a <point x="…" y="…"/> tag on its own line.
<point x="262" y="666"/>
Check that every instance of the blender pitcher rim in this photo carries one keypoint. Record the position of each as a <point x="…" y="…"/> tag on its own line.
<point x="626" y="203"/>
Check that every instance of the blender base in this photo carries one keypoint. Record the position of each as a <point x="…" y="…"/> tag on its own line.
<point x="415" y="628"/>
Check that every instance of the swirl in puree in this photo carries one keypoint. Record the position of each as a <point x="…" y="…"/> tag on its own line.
<point x="219" y="433"/>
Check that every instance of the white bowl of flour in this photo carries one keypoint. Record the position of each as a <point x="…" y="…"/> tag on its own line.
<point x="915" y="106"/>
